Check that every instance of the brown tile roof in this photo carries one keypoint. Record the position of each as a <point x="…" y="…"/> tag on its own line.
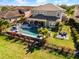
<point x="12" y="14"/>
<point x="28" y="14"/>
<point x="2" y="13"/>
<point x="15" y="12"/>
<point x="23" y="8"/>
<point x="48" y="7"/>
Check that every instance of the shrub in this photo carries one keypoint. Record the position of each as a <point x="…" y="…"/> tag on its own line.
<point x="43" y="31"/>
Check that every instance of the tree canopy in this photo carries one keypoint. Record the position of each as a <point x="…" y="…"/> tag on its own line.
<point x="3" y="25"/>
<point x="69" y="9"/>
<point x="4" y="9"/>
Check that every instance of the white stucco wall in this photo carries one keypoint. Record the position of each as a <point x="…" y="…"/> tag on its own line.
<point x="76" y="13"/>
<point x="51" y="24"/>
<point x="76" y="20"/>
<point x="27" y="13"/>
<point x="50" y="13"/>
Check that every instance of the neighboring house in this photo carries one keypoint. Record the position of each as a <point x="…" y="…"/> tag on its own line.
<point x="25" y="9"/>
<point x="16" y="13"/>
<point x="76" y="14"/>
<point x="2" y="13"/>
<point x="13" y="15"/>
<point x="47" y="14"/>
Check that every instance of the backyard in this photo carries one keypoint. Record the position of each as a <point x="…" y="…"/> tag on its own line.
<point x="62" y="42"/>
<point x="15" y="50"/>
<point x="11" y="48"/>
<point x="29" y="32"/>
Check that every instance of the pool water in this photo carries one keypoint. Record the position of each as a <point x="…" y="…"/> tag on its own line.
<point x="32" y="32"/>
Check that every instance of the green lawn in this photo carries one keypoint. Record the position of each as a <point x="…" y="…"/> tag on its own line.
<point x="43" y="54"/>
<point x="15" y="50"/>
<point x="9" y="50"/>
<point x="66" y="43"/>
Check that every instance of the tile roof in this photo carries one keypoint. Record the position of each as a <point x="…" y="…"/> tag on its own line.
<point x="23" y="8"/>
<point x="48" y="7"/>
<point x="15" y="12"/>
<point x="2" y="13"/>
<point x="12" y="14"/>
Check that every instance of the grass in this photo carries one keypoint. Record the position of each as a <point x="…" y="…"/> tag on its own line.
<point x="43" y="54"/>
<point x="66" y="43"/>
<point x="9" y="50"/>
<point x="15" y="50"/>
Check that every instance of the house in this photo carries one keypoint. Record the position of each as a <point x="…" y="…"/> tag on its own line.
<point x="15" y="13"/>
<point x="76" y="13"/>
<point x="25" y="9"/>
<point x="2" y="13"/>
<point x="47" y="15"/>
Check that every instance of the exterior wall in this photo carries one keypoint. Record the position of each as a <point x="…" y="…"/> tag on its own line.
<point x="27" y="13"/>
<point x="51" y="24"/>
<point x="18" y="18"/>
<point x="76" y="14"/>
<point x="76" y="20"/>
<point x="48" y="13"/>
<point x="11" y="20"/>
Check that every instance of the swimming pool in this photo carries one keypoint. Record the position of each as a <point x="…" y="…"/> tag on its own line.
<point x="32" y="32"/>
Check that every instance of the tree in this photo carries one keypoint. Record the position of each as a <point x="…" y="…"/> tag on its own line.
<point x="43" y="31"/>
<point x="4" y="9"/>
<point x="69" y="9"/>
<point x="64" y="6"/>
<point x="22" y="19"/>
<point x="3" y="25"/>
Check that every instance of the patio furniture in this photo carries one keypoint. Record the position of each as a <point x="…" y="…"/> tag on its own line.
<point x="62" y="35"/>
<point x="14" y="29"/>
<point x="39" y="36"/>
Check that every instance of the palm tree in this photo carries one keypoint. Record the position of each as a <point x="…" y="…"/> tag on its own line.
<point x="22" y="19"/>
<point x="3" y="25"/>
<point x="69" y="9"/>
